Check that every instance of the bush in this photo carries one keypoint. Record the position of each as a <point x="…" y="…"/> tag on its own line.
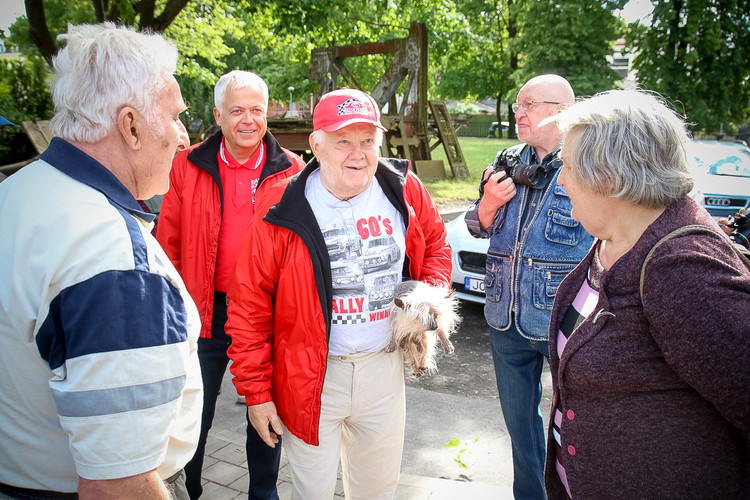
<point x="24" y="95"/>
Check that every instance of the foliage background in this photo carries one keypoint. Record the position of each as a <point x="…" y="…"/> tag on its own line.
<point x="24" y="95"/>
<point x="694" y="52"/>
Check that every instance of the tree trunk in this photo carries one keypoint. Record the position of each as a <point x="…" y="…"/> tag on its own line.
<point x="38" y="30"/>
<point x="146" y="11"/>
<point x="170" y="12"/>
<point x="99" y="9"/>
<point x="512" y="32"/>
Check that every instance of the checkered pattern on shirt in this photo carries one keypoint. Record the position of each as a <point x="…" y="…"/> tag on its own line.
<point x="349" y="319"/>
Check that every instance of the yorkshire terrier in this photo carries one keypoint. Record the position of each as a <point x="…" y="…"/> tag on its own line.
<point x="420" y="315"/>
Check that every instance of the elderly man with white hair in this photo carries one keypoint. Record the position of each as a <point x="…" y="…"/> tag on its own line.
<point x="307" y="318"/>
<point x="100" y="389"/>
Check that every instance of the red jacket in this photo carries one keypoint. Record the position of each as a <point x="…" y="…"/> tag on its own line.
<point x="191" y="212"/>
<point x="280" y="300"/>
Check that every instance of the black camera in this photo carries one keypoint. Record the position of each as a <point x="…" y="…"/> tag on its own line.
<point x="741" y="224"/>
<point x="535" y="176"/>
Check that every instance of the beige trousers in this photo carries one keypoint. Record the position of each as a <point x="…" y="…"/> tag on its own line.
<point x="362" y="419"/>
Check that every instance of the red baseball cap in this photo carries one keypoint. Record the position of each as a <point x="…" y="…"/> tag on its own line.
<point x="343" y="107"/>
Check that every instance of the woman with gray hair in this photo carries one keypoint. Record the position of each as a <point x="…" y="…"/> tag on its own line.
<point x="649" y="335"/>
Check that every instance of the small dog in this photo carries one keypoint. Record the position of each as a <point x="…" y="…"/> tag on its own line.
<point x="420" y="314"/>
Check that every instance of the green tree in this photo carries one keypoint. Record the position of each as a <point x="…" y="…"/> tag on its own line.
<point x="280" y="36"/>
<point x="696" y="53"/>
<point x="480" y="62"/>
<point x="302" y="25"/>
<point x="572" y="39"/>
<point x="140" y="13"/>
<point x="58" y="13"/>
<point x="199" y="31"/>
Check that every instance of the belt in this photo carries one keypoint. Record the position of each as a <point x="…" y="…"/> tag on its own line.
<point x="29" y="494"/>
<point x="221" y="296"/>
<point x="356" y="356"/>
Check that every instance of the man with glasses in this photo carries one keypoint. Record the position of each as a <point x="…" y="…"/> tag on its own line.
<point x="534" y="243"/>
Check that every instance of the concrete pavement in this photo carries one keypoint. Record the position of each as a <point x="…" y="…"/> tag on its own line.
<point x="478" y="467"/>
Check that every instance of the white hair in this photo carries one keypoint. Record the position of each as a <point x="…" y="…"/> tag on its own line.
<point x="238" y="79"/>
<point x="318" y="135"/>
<point x="102" y="68"/>
<point x="628" y="144"/>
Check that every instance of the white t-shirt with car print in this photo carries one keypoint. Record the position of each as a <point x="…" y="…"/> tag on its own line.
<point x="365" y="240"/>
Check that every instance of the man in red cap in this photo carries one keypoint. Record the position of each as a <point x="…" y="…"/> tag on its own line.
<point x="309" y="303"/>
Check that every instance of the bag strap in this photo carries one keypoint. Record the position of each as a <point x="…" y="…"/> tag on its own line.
<point x="686" y="229"/>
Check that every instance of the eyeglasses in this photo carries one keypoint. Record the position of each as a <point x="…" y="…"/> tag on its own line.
<point x="529" y="105"/>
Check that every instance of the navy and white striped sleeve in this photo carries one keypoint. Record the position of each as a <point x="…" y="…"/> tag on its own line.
<point x="116" y="344"/>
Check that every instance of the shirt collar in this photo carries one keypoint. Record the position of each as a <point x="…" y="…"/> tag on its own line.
<point x="530" y="156"/>
<point x="252" y="163"/>
<point x="73" y="162"/>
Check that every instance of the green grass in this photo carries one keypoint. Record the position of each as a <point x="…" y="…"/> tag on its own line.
<point x="478" y="153"/>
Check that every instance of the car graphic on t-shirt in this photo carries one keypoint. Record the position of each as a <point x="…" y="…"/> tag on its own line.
<point x="381" y="291"/>
<point x="379" y="253"/>
<point x="342" y="242"/>
<point x="346" y="275"/>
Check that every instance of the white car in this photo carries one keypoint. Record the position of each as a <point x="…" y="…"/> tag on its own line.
<point x="722" y="176"/>
<point x="469" y="261"/>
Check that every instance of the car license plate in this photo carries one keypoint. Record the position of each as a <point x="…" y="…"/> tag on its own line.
<point x="474" y="285"/>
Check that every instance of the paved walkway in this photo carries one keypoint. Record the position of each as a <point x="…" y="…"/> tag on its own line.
<point x="225" y="478"/>
<point x="430" y="469"/>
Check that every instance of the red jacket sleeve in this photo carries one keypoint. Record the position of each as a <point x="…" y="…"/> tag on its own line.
<point x="252" y="293"/>
<point x="430" y="260"/>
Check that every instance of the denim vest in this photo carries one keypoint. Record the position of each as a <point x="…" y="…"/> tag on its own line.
<point x="525" y="268"/>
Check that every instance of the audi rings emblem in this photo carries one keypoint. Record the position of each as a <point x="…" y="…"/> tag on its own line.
<point x="718" y="202"/>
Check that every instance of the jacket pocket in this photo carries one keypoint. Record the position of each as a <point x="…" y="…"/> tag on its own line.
<point x="494" y="277"/>
<point x="547" y="279"/>
<point x="562" y="228"/>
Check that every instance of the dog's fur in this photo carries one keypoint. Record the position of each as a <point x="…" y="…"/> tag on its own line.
<point x="420" y="315"/>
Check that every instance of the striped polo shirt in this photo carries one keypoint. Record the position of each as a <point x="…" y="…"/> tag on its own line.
<point x="99" y="373"/>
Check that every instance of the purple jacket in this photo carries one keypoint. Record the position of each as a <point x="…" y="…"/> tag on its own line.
<point x="656" y="395"/>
